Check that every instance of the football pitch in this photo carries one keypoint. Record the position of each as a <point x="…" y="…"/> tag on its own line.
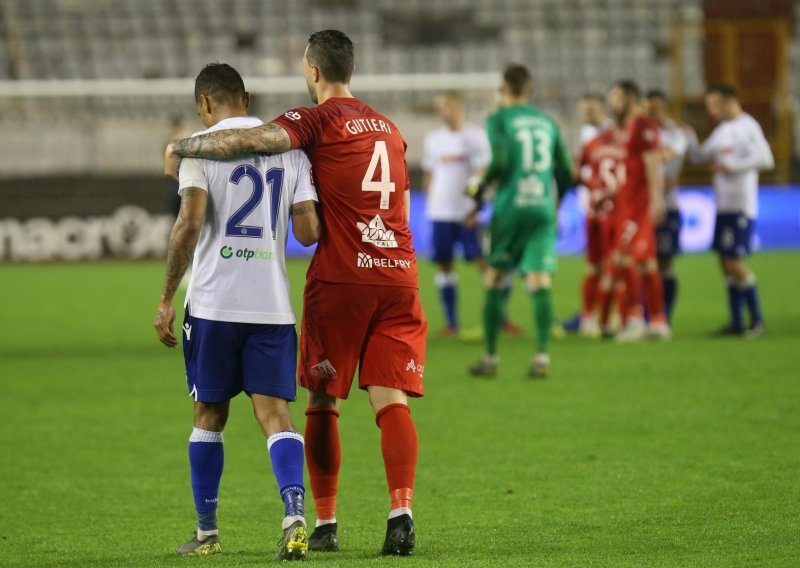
<point x="678" y="454"/>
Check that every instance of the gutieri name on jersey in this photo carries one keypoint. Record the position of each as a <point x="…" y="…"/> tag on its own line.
<point x="361" y="125"/>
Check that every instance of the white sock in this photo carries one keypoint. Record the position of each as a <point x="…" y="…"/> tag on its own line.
<point x="320" y="522"/>
<point x="400" y="511"/>
<point x="290" y="520"/>
<point x="202" y="535"/>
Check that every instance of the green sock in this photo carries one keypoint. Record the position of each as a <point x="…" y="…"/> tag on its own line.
<point x="542" y="317"/>
<point x="493" y="318"/>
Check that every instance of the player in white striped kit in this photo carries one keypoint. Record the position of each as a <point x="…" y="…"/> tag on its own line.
<point x="676" y="139"/>
<point x="239" y="328"/>
<point x="736" y="151"/>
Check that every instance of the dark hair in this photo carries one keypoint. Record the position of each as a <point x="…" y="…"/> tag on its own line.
<point x="593" y="96"/>
<point x="517" y="77"/>
<point x="220" y="81"/>
<point x="332" y="52"/>
<point x="656" y="94"/>
<point x="629" y="87"/>
<point x="724" y="90"/>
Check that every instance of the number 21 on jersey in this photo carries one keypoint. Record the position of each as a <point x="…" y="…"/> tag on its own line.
<point x="235" y="226"/>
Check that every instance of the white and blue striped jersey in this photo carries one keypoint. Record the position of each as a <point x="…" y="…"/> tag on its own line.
<point x="239" y="271"/>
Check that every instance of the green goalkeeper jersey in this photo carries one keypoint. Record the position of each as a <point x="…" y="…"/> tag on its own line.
<point x="528" y="153"/>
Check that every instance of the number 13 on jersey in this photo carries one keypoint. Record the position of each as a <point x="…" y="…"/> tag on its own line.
<point x="380" y="155"/>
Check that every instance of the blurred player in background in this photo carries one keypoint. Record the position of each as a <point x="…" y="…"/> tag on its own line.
<point x="602" y="167"/>
<point x="736" y="150"/>
<point x="593" y="116"/>
<point x="594" y="120"/>
<point x="641" y="206"/>
<point x="452" y="154"/>
<point x="361" y="305"/>
<point x="238" y="332"/>
<point x="528" y="152"/>
<point x="676" y="139"/>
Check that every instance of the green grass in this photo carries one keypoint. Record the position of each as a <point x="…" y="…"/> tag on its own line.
<point x="679" y="454"/>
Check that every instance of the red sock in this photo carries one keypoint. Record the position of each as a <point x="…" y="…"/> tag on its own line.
<point x="654" y="296"/>
<point x="324" y="457"/>
<point x="399" y="446"/>
<point x="590" y="293"/>
<point x="630" y="276"/>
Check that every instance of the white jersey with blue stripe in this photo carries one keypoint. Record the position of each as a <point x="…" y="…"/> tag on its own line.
<point x="239" y="270"/>
<point x="740" y="146"/>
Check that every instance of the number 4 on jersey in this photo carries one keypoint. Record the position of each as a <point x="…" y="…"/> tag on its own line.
<point x="380" y="155"/>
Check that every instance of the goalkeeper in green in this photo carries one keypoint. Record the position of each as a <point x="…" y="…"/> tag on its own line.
<point x="528" y="154"/>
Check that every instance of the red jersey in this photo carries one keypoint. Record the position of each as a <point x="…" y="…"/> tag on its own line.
<point x="605" y="158"/>
<point x="361" y="177"/>
<point x="640" y="136"/>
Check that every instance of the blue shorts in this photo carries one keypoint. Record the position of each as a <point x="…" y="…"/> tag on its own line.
<point x="225" y="358"/>
<point x="732" y="235"/>
<point x="668" y="235"/>
<point x="446" y="234"/>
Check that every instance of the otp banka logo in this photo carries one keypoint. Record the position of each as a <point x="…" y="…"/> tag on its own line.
<point x="293" y="115"/>
<point x="246" y="254"/>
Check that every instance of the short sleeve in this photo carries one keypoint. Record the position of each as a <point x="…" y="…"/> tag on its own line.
<point x="303" y="125"/>
<point x="192" y="174"/>
<point x="480" y="153"/>
<point x="304" y="189"/>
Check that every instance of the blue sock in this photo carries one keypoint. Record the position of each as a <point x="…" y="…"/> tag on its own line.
<point x="206" y="458"/>
<point x="670" y="292"/>
<point x="750" y="294"/>
<point x="735" y="299"/>
<point x="286" y="452"/>
<point x="447" y="282"/>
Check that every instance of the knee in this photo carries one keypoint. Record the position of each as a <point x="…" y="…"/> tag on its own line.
<point x="538" y="281"/>
<point x="322" y="400"/>
<point x="380" y="397"/>
<point x="211" y="417"/>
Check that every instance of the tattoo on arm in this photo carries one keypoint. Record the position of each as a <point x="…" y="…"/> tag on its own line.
<point x="182" y="242"/>
<point x="223" y="144"/>
<point x="301" y="209"/>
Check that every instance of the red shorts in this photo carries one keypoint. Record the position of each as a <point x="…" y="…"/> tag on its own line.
<point x="636" y="236"/>
<point x="599" y="239"/>
<point x="379" y="329"/>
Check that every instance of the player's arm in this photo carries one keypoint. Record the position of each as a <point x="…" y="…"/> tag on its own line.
<point x="564" y="171"/>
<point x="498" y="146"/>
<point x="654" y="172"/>
<point x="182" y="242"/>
<point x="305" y="222"/>
<point x="224" y="144"/>
<point x="753" y="153"/>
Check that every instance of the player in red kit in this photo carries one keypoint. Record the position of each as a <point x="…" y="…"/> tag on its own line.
<point x="603" y="158"/>
<point x="641" y="207"/>
<point x="361" y="304"/>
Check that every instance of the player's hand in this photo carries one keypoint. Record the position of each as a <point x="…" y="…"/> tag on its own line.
<point x="172" y="162"/>
<point x="165" y="317"/>
<point x="471" y="221"/>
<point x="718" y="167"/>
